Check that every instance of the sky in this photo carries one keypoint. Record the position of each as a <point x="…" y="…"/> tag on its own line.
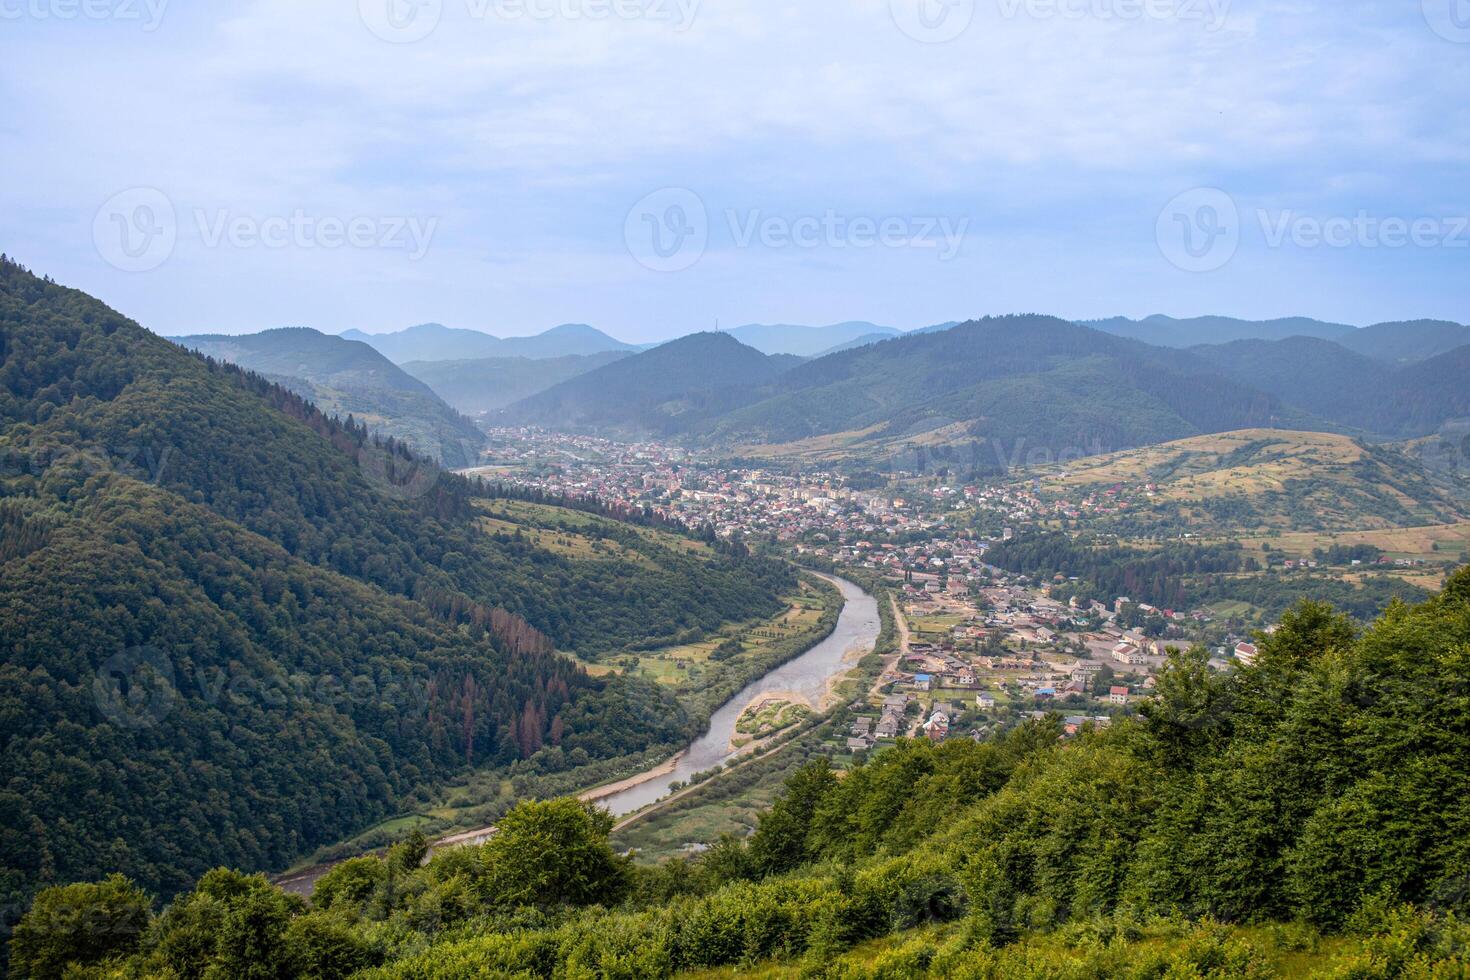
<point x="653" y="167"/>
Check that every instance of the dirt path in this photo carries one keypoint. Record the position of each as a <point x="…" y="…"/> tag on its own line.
<point x="901" y="624"/>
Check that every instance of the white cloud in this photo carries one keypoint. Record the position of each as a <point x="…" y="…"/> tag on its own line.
<point x="528" y="139"/>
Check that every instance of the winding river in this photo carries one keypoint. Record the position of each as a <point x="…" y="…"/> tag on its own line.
<point x="807" y="678"/>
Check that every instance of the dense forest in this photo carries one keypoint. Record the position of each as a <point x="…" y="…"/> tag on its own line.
<point x="1180" y="575"/>
<point x="238" y="629"/>
<point x="1350" y="388"/>
<point x="1163" y="576"/>
<point x="1312" y="809"/>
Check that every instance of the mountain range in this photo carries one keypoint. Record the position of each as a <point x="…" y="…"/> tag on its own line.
<point x="436" y="342"/>
<point x="982" y="391"/>
<point x="1399" y="342"/>
<point x="343" y="377"/>
<point x="865" y="391"/>
<point x="1039" y="379"/>
<point x="1166" y="331"/>
<point x="1404" y="341"/>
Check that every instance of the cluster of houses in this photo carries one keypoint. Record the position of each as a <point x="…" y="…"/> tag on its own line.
<point x="1012" y="644"/>
<point x="815" y="507"/>
<point x="1020" y="652"/>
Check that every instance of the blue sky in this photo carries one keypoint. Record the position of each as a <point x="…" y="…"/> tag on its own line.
<point x="650" y="166"/>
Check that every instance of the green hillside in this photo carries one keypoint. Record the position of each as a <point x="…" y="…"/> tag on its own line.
<point x="238" y="629"/>
<point x="1258" y="480"/>
<point x="1407" y="341"/>
<point x="1305" y="816"/>
<point x="985" y="389"/>
<point x="1351" y="389"/>
<point x="343" y="377"/>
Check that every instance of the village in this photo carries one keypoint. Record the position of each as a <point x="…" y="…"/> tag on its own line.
<point x="973" y="660"/>
<point x="980" y="649"/>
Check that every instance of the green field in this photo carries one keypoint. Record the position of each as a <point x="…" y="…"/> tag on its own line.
<point x="687" y="666"/>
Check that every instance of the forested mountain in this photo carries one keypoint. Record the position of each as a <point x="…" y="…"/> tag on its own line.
<point x="979" y="394"/>
<point x="1167" y="331"/>
<point x="974" y="395"/>
<point x="1407" y="341"/>
<point x="436" y="342"/>
<point x="489" y="383"/>
<point x="1319" y="375"/>
<point x="666" y="390"/>
<point x="238" y="629"/>
<point x="563" y="341"/>
<point x="1348" y="388"/>
<point x="1434" y="390"/>
<point x="788" y="338"/>
<point x="344" y="377"/>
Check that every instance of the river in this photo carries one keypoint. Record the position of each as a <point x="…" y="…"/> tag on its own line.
<point x="808" y="677"/>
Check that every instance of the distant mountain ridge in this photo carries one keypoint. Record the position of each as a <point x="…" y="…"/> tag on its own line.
<point x="1167" y="331"/>
<point x="1397" y="342"/>
<point x="427" y="341"/>
<point x="1407" y="341"/>
<point x="803" y="341"/>
<point x="1032" y="381"/>
<point x="436" y="342"/>
<point x="1330" y="381"/>
<point x="665" y="390"/>
<point x="344" y="377"/>
<point x="489" y="383"/>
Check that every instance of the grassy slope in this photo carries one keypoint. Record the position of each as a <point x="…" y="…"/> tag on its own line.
<point x="1278" y="475"/>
